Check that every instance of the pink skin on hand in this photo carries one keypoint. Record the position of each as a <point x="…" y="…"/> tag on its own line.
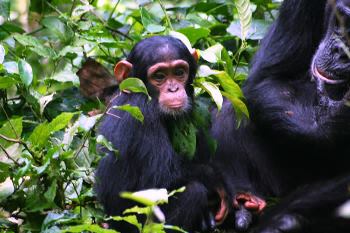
<point x="250" y="202"/>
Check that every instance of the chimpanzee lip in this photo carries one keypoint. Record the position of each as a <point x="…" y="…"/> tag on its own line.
<point x="323" y="76"/>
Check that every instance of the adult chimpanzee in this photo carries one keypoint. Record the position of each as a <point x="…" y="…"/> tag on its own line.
<point x="298" y="134"/>
<point x="146" y="156"/>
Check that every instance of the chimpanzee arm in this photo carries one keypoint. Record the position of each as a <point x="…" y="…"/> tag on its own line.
<point x="311" y="209"/>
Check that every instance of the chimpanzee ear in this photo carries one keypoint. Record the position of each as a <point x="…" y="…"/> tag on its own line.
<point x="195" y="54"/>
<point x="122" y="70"/>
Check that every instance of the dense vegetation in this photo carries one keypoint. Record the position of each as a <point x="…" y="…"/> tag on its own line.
<point x="47" y="126"/>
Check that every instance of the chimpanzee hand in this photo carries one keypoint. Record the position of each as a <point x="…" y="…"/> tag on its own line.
<point x="284" y="223"/>
<point x="246" y="205"/>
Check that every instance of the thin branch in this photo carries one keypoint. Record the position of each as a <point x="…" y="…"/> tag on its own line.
<point x="8" y="118"/>
<point x="17" y="141"/>
<point x="115" y="7"/>
<point x="8" y="155"/>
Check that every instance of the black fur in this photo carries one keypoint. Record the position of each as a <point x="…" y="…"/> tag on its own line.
<point x="146" y="156"/>
<point x="299" y="128"/>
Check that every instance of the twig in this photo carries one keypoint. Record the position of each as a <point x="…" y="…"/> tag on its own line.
<point x="115" y="7"/>
<point x="8" y="155"/>
<point x="18" y="141"/>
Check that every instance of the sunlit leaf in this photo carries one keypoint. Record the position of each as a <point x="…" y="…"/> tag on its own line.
<point x="245" y="16"/>
<point x="181" y="37"/>
<point x="2" y="54"/>
<point x="134" y="85"/>
<point x="58" y="28"/>
<point x="11" y="129"/>
<point x="194" y="34"/>
<point x="133" y="110"/>
<point x="132" y="219"/>
<point x="214" y="92"/>
<point x="35" y="45"/>
<point x="212" y="54"/>
<point x="25" y="72"/>
<point x="6" y="188"/>
<point x="88" y="227"/>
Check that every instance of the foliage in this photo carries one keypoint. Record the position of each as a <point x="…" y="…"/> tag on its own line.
<point x="47" y="128"/>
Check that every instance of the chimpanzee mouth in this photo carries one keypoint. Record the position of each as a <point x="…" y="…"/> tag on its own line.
<point x="324" y="76"/>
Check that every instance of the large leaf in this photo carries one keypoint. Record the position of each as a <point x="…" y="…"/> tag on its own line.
<point x="194" y="34"/>
<point x="239" y="106"/>
<point x="150" y="22"/>
<point x="214" y="92"/>
<point x="25" y="72"/>
<point x="11" y="129"/>
<point x="228" y="84"/>
<point x="6" y="82"/>
<point x="134" y="85"/>
<point x="5" y="8"/>
<point x="58" y="29"/>
<point x="42" y="132"/>
<point x="88" y="227"/>
<point x="212" y="54"/>
<point x="133" y="110"/>
<point x="245" y="16"/>
<point x="35" y="45"/>
<point x="256" y="31"/>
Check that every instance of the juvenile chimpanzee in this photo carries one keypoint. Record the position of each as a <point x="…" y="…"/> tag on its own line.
<point x="146" y="156"/>
<point x="297" y="137"/>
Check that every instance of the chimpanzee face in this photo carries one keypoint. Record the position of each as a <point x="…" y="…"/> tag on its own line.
<point x="167" y="67"/>
<point x="169" y="79"/>
<point x="331" y="63"/>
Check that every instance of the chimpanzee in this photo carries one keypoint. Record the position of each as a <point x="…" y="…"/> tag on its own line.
<point x="295" y="146"/>
<point x="146" y="156"/>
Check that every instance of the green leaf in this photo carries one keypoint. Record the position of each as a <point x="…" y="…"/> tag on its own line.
<point x="245" y="16"/>
<point x="5" y="8"/>
<point x="181" y="37"/>
<point x="141" y="200"/>
<point x="82" y="9"/>
<point x="228" y="84"/>
<point x="134" y="85"/>
<point x="194" y="34"/>
<point x="256" y="31"/>
<point x="11" y="129"/>
<point x="35" y="45"/>
<point x="6" y="189"/>
<point x="88" y="227"/>
<point x="58" y="29"/>
<point x="25" y="72"/>
<point x="212" y="54"/>
<point x="214" y="92"/>
<point x="174" y="228"/>
<point x="183" y="138"/>
<point x="6" y="82"/>
<point x="239" y="107"/>
<point x="42" y="132"/>
<point x="50" y="194"/>
<point x="133" y="110"/>
<point x="100" y="139"/>
<point x="61" y="121"/>
<point x="138" y="210"/>
<point x="150" y="22"/>
<point x="2" y="53"/>
<point x="132" y="219"/>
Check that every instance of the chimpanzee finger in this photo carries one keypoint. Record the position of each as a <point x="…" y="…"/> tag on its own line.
<point x="243" y="219"/>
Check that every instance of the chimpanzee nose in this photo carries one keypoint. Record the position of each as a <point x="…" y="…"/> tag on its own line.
<point x="173" y="88"/>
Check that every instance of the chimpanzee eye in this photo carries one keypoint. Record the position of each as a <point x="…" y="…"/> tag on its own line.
<point x="158" y="76"/>
<point x="179" y="71"/>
